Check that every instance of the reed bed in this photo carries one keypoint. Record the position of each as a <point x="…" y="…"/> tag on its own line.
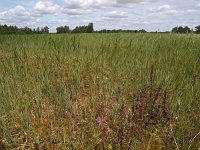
<point x="100" y="91"/>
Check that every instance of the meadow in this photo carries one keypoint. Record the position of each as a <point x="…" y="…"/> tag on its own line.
<point x="100" y="91"/>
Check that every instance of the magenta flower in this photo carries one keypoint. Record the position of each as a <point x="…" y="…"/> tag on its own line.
<point x="98" y="120"/>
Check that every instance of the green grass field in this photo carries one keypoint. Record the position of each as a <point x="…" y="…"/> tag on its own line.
<point x="100" y="91"/>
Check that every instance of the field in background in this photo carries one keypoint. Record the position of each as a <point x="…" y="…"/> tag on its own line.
<point x="100" y="91"/>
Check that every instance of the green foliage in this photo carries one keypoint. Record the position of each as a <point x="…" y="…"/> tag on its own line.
<point x="181" y="29"/>
<point x="100" y="91"/>
<point x="90" y="28"/>
<point x="45" y="30"/>
<point x="4" y="29"/>
<point x="84" y="29"/>
<point x="197" y="29"/>
<point x="63" y="29"/>
<point x="121" y="31"/>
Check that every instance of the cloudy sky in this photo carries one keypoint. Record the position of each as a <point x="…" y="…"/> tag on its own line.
<point x="150" y="15"/>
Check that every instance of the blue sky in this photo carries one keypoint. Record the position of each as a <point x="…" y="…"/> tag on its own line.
<point x="150" y="15"/>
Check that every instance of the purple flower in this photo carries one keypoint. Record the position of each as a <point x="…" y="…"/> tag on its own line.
<point x="69" y="115"/>
<point x="98" y="120"/>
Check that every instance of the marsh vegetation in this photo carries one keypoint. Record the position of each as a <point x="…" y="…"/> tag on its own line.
<point x="100" y="91"/>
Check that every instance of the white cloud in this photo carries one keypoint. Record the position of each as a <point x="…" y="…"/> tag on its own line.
<point x="75" y="12"/>
<point x="191" y="11"/>
<point x="164" y="11"/>
<point x="18" y="10"/>
<point x="46" y="7"/>
<point x="73" y="4"/>
<point x="133" y="1"/>
<point x="164" y="7"/>
<point x="15" y="15"/>
<point x="117" y="15"/>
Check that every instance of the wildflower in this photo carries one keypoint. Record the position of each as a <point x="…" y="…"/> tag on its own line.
<point x="69" y="115"/>
<point x="98" y="120"/>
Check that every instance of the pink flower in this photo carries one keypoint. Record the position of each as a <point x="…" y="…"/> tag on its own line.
<point x="98" y="120"/>
<point x="69" y="115"/>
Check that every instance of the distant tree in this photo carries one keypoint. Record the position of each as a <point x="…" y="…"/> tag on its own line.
<point x="38" y="30"/>
<point x="63" y="29"/>
<point x="26" y="30"/>
<point x="5" y="29"/>
<point x="117" y="31"/>
<point x="84" y="29"/>
<point x="197" y="29"/>
<point x="187" y="29"/>
<point x="90" y="28"/>
<point x="34" y="30"/>
<point x="175" y="30"/>
<point x="181" y="29"/>
<point x="66" y="29"/>
<point x="12" y="30"/>
<point x="45" y="29"/>
<point x="58" y="29"/>
<point x="142" y="31"/>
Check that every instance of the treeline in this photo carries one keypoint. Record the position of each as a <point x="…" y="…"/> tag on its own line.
<point x="79" y="29"/>
<point x="120" y="31"/>
<point x="5" y="29"/>
<point x="186" y="29"/>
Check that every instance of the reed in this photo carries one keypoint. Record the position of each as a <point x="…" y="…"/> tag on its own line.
<point x="99" y="91"/>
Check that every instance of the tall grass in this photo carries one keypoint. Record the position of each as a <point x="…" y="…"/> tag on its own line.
<point x="100" y="91"/>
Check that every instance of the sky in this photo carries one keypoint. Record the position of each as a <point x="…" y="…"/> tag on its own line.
<point x="151" y="15"/>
